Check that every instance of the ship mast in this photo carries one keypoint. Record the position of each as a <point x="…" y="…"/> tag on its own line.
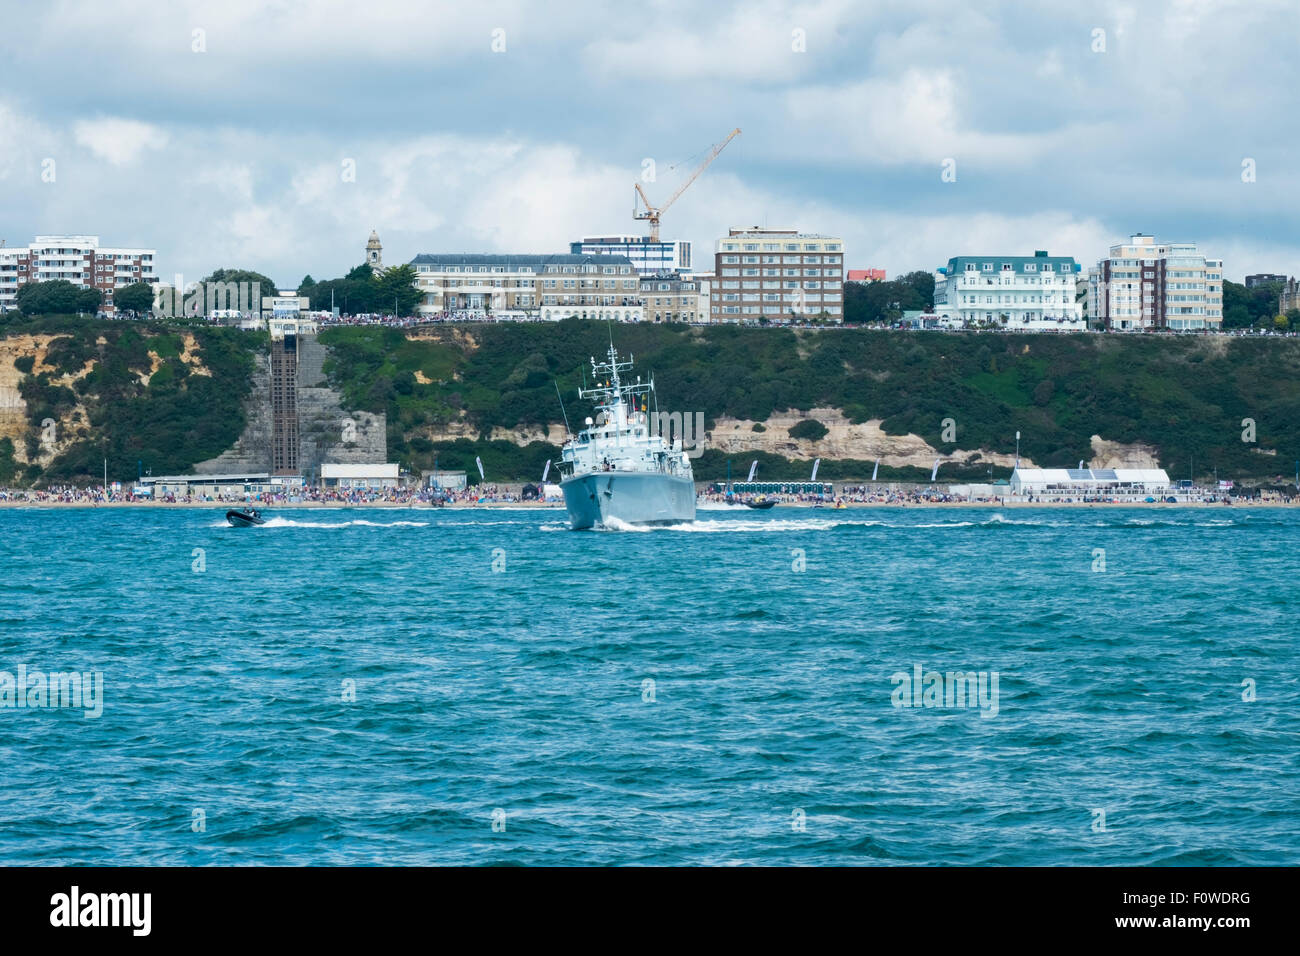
<point x="611" y="395"/>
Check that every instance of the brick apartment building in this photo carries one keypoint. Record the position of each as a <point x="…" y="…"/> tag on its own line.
<point x="76" y="259"/>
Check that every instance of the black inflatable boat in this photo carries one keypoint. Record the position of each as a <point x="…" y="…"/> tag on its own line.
<point x="246" y="518"/>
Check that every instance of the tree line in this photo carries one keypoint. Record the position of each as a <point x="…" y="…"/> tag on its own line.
<point x="1257" y="308"/>
<point x="365" y="292"/>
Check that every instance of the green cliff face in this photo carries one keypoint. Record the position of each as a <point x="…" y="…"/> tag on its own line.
<point x="451" y="390"/>
<point x="171" y="395"/>
<point x="162" y="395"/>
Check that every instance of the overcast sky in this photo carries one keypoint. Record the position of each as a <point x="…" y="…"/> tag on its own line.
<point x="1070" y="126"/>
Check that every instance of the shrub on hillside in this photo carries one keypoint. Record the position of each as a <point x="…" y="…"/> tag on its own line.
<point x="810" y="429"/>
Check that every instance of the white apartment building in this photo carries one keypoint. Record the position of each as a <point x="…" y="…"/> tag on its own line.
<point x="550" y="287"/>
<point x="76" y="259"/>
<point x="648" y="257"/>
<point x="1144" y="284"/>
<point x="1024" y="293"/>
<point x="778" y="275"/>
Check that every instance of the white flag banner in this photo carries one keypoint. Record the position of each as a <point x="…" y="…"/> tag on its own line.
<point x="546" y="471"/>
<point x="875" y="471"/>
<point x="935" y="471"/>
<point x="816" y="465"/>
<point x="479" y="461"/>
<point x="752" y="469"/>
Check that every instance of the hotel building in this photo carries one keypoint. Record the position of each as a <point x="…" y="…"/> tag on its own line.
<point x="1013" y="292"/>
<point x="550" y="287"/>
<point x="76" y="259"/>
<point x="648" y="258"/>
<point x="671" y="297"/>
<point x="778" y="275"/>
<point x="1148" y="285"/>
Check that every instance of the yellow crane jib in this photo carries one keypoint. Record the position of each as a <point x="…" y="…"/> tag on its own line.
<point x="652" y="212"/>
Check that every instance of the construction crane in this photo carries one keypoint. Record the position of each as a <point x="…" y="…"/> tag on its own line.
<point x="653" y="213"/>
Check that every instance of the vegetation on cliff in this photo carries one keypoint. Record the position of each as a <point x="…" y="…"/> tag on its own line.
<point x="1186" y="396"/>
<point x="143" y="403"/>
<point x="135" y="392"/>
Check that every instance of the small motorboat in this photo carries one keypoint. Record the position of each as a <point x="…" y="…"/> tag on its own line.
<point x="247" y="518"/>
<point x="762" y="504"/>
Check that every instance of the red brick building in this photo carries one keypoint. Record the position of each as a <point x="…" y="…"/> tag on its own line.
<point x="76" y="259"/>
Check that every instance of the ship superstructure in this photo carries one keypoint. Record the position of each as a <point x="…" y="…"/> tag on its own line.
<point x="616" y="471"/>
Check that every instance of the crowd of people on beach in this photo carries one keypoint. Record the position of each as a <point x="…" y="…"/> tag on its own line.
<point x="848" y="496"/>
<point x="498" y="495"/>
<point x="92" y="495"/>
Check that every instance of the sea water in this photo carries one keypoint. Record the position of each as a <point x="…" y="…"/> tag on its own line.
<point x="416" y="686"/>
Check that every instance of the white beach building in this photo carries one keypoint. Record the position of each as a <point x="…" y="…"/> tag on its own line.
<point x="1074" y="482"/>
<point x="354" y="476"/>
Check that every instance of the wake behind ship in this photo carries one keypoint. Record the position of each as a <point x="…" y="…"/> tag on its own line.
<point x="615" y="471"/>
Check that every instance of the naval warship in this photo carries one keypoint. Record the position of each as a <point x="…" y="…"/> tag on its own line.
<point x="615" y="471"/>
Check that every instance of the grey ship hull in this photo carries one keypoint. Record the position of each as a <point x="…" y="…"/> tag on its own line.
<point x="629" y="497"/>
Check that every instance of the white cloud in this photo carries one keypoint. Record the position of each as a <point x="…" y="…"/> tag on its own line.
<point x="552" y="196"/>
<point x="913" y="118"/>
<point x="458" y="148"/>
<point x="765" y="43"/>
<point x="895" y="240"/>
<point x="24" y="141"/>
<point x="118" y="141"/>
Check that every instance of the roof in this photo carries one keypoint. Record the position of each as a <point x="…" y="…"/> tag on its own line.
<point x="623" y="241"/>
<point x="858" y="275"/>
<point x="1062" y="476"/>
<point x="512" y="260"/>
<point x="957" y="264"/>
<point x="205" y="479"/>
<point x="673" y="278"/>
<point x="759" y="232"/>
<point x="341" y="470"/>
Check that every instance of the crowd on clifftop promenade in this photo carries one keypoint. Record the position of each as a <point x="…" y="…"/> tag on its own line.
<point x="325" y="320"/>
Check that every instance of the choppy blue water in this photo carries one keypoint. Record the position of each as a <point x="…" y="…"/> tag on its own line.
<point x="769" y="735"/>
